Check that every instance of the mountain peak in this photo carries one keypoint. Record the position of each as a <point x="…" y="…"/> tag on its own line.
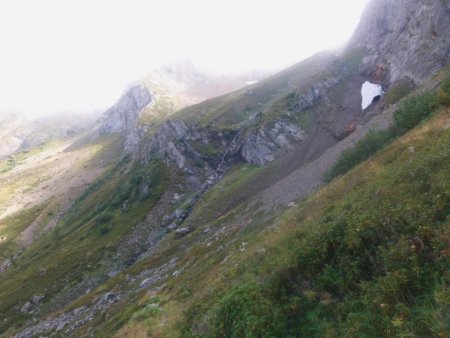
<point x="126" y="111"/>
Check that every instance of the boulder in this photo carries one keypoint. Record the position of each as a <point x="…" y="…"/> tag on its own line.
<point x="61" y="325"/>
<point x="110" y="297"/>
<point x="27" y="307"/>
<point x="32" y="304"/>
<point x="181" y="232"/>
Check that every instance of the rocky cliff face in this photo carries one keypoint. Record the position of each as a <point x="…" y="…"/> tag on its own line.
<point x="122" y="118"/>
<point x="159" y="95"/>
<point x="168" y="142"/>
<point x="185" y="144"/>
<point x="397" y="40"/>
<point x="123" y="115"/>
<point x="265" y="144"/>
<point x="411" y="38"/>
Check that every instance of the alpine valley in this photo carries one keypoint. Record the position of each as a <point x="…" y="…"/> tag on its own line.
<point x="203" y="206"/>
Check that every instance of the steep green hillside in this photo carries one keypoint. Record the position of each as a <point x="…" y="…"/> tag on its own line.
<point x="201" y="222"/>
<point x="73" y="251"/>
<point x="142" y="252"/>
<point x="366" y="256"/>
<point x="234" y="108"/>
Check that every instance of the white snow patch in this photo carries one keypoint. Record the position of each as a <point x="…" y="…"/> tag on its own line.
<point x="368" y="92"/>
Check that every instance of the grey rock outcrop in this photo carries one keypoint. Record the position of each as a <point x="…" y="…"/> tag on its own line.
<point x="172" y="142"/>
<point x="122" y="118"/>
<point x="31" y="305"/>
<point x="124" y="113"/>
<point x="411" y="36"/>
<point x="181" y="232"/>
<point x="167" y="142"/>
<point x="265" y="144"/>
<point x="5" y="265"/>
<point x="307" y="100"/>
<point x="110" y="297"/>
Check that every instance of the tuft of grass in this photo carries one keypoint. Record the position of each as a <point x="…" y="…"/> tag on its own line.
<point x="248" y="310"/>
<point x="151" y="310"/>
<point x="205" y="149"/>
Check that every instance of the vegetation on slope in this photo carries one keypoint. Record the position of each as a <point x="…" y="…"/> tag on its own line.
<point x="367" y="256"/>
<point x="369" y="145"/>
<point x="411" y="112"/>
<point x="13" y="160"/>
<point x="13" y="225"/>
<point x="72" y="253"/>
<point x="231" y="110"/>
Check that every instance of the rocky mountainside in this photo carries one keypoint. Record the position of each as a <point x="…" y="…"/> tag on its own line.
<point x="397" y="45"/>
<point x="408" y="39"/>
<point x="158" y="96"/>
<point x="183" y="213"/>
<point x="21" y="133"/>
<point x="10" y="142"/>
<point x="122" y="118"/>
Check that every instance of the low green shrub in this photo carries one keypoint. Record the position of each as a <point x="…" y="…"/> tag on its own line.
<point x="374" y="141"/>
<point x="375" y="262"/>
<point x="444" y="93"/>
<point x="151" y="310"/>
<point x="103" y="218"/>
<point x="414" y="110"/>
<point x="103" y="223"/>
<point x="103" y="229"/>
<point x="248" y="311"/>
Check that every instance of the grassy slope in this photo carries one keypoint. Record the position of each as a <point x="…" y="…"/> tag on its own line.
<point x="88" y="233"/>
<point x="276" y="95"/>
<point x="365" y="256"/>
<point x="229" y="111"/>
<point x="275" y="277"/>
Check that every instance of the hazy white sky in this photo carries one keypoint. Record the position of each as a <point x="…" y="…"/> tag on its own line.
<point x="76" y="55"/>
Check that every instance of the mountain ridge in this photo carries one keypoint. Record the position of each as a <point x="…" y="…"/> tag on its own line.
<point x="183" y="203"/>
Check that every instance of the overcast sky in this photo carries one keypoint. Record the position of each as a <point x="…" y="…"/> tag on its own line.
<point x="79" y="55"/>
